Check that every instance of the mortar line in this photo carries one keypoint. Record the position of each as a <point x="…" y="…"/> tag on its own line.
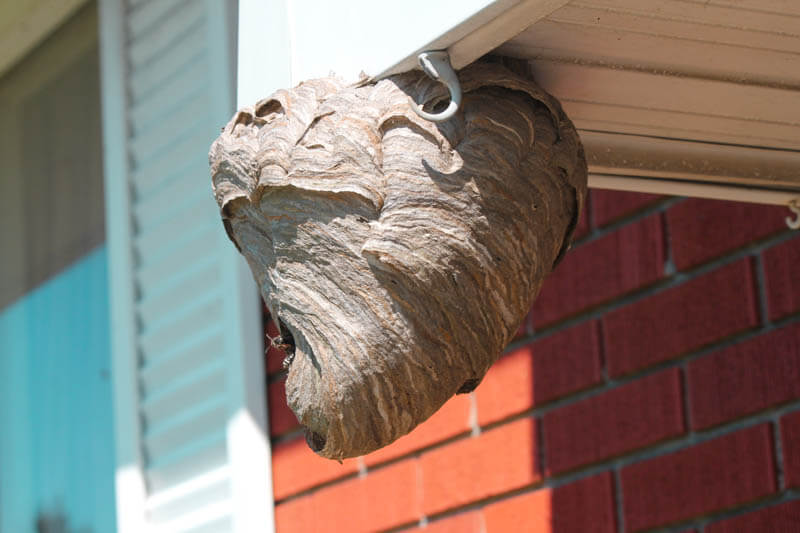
<point x="777" y="444"/>
<point x="669" y="260"/>
<point x="472" y="417"/>
<point x="686" y="397"/>
<point x="761" y="289"/>
<point x="659" y="206"/>
<point x="619" y="504"/>
<point x="540" y="446"/>
<point x="701" y="523"/>
<point x="601" y="350"/>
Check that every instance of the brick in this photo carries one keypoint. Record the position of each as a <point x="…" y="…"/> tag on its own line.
<point x="468" y="470"/>
<point x="745" y="378"/>
<point x="625" y="260"/>
<point x="730" y="470"/>
<point x="702" y="229"/>
<point x="790" y="439"/>
<point x="281" y="418"/>
<point x="526" y="328"/>
<point x="609" y="206"/>
<point x="542" y="371"/>
<point x="781" y="518"/>
<point x="382" y="499"/>
<point x="582" y="228"/>
<point x="296" y="516"/>
<point x="449" y="421"/>
<point x="633" y="416"/>
<point x="782" y="281"/>
<point x="296" y="468"/>
<point x="681" y="319"/>
<point x="584" y="505"/>
<point x="469" y="522"/>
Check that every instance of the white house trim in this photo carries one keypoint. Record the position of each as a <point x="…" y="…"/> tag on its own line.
<point x="129" y="480"/>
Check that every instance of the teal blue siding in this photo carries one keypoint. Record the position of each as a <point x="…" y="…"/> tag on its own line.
<point x="56" y="445"/>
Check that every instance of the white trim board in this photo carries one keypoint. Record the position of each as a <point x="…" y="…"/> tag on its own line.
<point x="129" y="479"/>
<point x="677" y="167"/>
<point x="481" y="33"/>
<point x="713" y="191"/>
<point x="304" y="39"/>
<point x="656" y="157"/>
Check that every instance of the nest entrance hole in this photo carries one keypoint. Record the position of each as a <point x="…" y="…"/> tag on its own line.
<point x="284" y="342"/>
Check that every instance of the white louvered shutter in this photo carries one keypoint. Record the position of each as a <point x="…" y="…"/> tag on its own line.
<point x="192" y="452"/>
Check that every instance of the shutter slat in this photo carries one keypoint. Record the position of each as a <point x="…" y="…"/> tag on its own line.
<point x="182" y="323"/>
<point x="208" y="518"/>
<point x="147" y="293"/>
<point x="179" y="348"/>
<point x="156" y="244"/>
<point x="168" y="97"/>
<point x="199" y="497"/>
<point x="149" y="56"/>
<point x="171" y="125"/>
<point x="157" y="23"/>
<point x="131" y="5"/>
<point x="223" y="525"/>
<point x="168" y="69"/>
<point x="179" y="152"/>
<point x="184" y="463"/>
<point x="195" y="420"/>
<point x="152" y="52"/>
<point x="183" y="174"/>
<point x="159" y="209"/>
<point x="189" y="425"/>
<point x="166" y="503"/>
<point x="181" y="160"/>
<point x="170" y="365"/>
<point x="184" y="289"/>
<point x="182" y="393"/>
<point x="166" y="265"/>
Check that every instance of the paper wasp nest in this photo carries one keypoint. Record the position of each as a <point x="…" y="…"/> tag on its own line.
<point x="399" y="255"/>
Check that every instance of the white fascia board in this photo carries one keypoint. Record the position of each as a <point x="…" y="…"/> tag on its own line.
<point x="348" y="38"/>
<point x="480" y="33"/>
<point x="284" y="42"/>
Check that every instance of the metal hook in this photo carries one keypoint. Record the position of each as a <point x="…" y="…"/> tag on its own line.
<point x="436" y="65"/>
<point x="794" y="205"/>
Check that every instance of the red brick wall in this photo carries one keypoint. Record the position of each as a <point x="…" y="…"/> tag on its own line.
<point x="655" y="384"/>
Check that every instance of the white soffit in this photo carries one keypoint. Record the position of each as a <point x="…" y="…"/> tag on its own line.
<point x="697" y="90"/>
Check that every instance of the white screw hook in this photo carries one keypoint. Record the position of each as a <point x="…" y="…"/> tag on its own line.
<point x="436" y="64"/>
<point x="794" y="205"/>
